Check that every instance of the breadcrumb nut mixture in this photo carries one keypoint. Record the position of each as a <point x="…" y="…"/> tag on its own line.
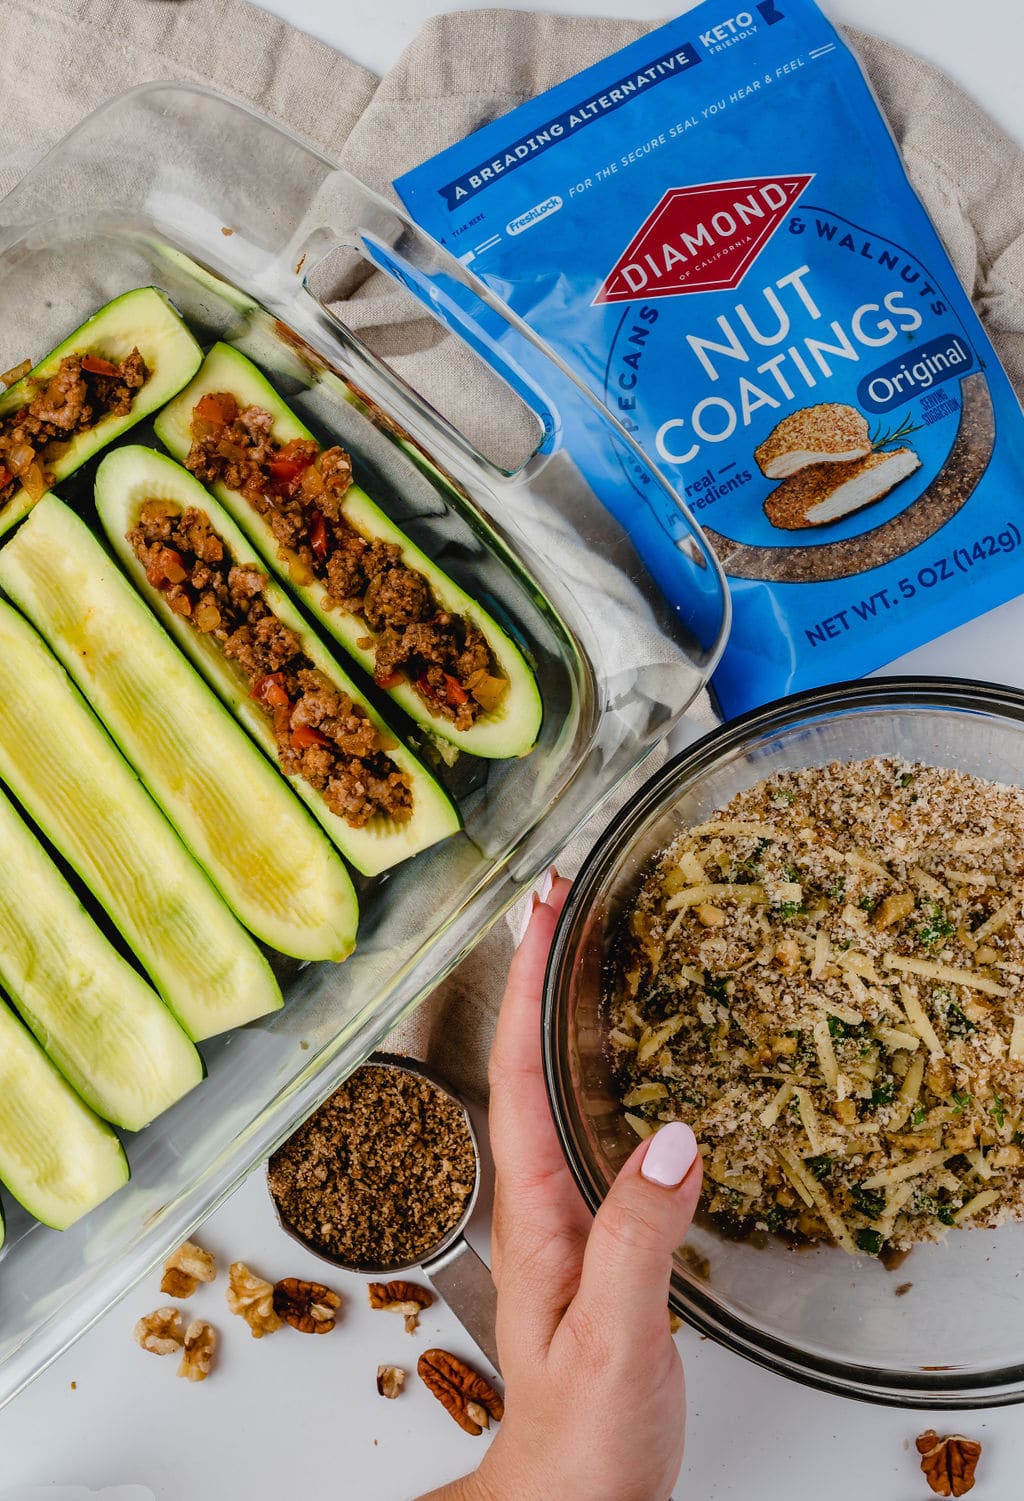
<point x="826" y="981"/>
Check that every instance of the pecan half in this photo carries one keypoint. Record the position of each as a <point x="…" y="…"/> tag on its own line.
<point x="307" y="1306"/>
<point x="948" y="1463"/>
<point x="160" y="1332"/>
<point x="401" y="1297"/>
<point x="185" y="1268"/>
<point x="390" y="1380"/>
<point x="252" y="1299"/>
<point x="198" y="1352"/>
<point x="464" y="1394"/>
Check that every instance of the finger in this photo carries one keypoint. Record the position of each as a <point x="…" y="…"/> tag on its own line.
<point x="540" y="1220"/>
<point x="642" y="1222"/>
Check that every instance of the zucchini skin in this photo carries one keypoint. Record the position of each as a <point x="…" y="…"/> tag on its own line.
<point x="510" y="731"/>
<point x="144" y="317"/>
<point x="78" y="789"/>
<point x="131" y="475"/>
<point x="57" y="1158"/>
<point x="268" y="858"/>
<point x="97" y="1020"/>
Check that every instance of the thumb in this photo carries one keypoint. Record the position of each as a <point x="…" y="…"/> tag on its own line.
<point x="628" y="1262"/>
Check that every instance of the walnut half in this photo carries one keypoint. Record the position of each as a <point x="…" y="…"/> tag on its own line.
<point x="401" y="1297"/>
<point x="307" y="1306"/>
<point x="948" y="1463"/>
<point x="390" y="1380"/>
<point x="464" y="1394"/>
<point x="252" y="1299"/>
<point x="185" y="1268"/>
<point x="159" y="1332"/>
<point x="198" y="1353"/>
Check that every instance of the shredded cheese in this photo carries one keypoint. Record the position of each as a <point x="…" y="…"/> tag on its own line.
<point x="931" y="970"/>
<point x="725" y="891"/>
<point x="912" y="1168"/>
<point x="918" y="1019"/>
<point x="809" y="1121"/>
<point x="894" y="1038"/>
<point x="733" y="827"/>
<point x="770" y="1114"/>
<point x="826" y="1053"/>
<point x="980" y="1201"/>
<point x="1017" y="1040"/>
<point x="1000" y="917"/>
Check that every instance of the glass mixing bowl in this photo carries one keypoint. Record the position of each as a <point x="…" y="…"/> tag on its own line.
<point x="947" y="1328"/>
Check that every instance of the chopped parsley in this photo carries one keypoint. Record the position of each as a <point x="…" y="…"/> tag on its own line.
<point x="775" y="1218"/>
<point x="870" y="1241"/>
<point x="790" y="872"/>
<point x="818" y="1167"/>
<point x="998" y="1109"/>
<point x="782" y="798"/>
<point x="958" y="1024"/>
<point x="937" y="928"/>
<point x="715" y="988"/>
<point x="906" y="779"/>
<point x="883" y="1093"/>
<point x="868" y="903"/>
<point x="869" y="1204"/>
<point x="917" y="1115"/>
<point x="961" y="1101"/>
<point x="837" y="1029"/>
<point x="838" y="891"/>
<point x="791" y="909"/>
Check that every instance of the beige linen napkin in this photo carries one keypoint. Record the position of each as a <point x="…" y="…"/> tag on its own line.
<point x="63" y="57"/>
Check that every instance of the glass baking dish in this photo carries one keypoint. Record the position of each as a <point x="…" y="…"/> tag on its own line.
<point x="234" y="218"/>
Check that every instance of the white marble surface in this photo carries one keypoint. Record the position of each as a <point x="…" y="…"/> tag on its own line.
<point x="298" y="1419"/>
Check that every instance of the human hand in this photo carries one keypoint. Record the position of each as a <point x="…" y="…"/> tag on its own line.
<point x="595" y="1400"/>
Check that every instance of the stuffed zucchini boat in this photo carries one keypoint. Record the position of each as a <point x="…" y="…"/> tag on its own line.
<point x="271" y="863"/>
<point x="101" y="1025"/>
<point x="123" y="363"/>
<point x="57" y="1158"/>
<point x="201" y="576"/>
<point x="427" y="643"/>
<point x="76" y="787"/>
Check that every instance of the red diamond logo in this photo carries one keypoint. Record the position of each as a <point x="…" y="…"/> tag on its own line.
<point x="701" y="239"/>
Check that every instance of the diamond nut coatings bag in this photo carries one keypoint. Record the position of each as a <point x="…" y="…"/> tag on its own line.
<point x="714" y="228"/>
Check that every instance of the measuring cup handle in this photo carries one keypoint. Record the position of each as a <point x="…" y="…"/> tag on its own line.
<point x="465" y="1284"/>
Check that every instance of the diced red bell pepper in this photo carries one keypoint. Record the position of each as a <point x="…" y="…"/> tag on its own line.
<point x="270" y="690"/>
<point x="5" y="478"/>
<point x="218" y="407"/>
<point x="97" y="366"/>
<point x="454" y="691"/>
<point x="289" y="464"/>
<point x="318" y="535"/>
<point x="304" y="735"/>
<point x="425" y="688"/>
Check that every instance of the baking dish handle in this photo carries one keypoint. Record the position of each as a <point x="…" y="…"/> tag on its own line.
<point x="463" y="307"/>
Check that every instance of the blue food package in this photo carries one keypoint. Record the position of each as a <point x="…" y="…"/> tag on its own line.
<point x="714" y="229"/>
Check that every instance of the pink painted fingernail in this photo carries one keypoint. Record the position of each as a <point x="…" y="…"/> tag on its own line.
<point x="670" y="1155"/>
<point x="537" y="896"/>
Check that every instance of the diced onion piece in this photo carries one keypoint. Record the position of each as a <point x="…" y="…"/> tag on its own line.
<point x="770" y="1114"/>
<point x="912" y="1168"/>
<point x="980" y="1201"/>
<point x="921" y="1023"/>
<point x="934" y="971"/>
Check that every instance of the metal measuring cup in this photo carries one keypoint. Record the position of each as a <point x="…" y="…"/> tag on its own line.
<point x="451" y="1267"/>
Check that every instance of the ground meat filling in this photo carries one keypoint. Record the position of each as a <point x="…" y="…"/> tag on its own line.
<point x="299" y="491"/>
<point x="322" y="736"/>
<point x="84" y="390"/>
